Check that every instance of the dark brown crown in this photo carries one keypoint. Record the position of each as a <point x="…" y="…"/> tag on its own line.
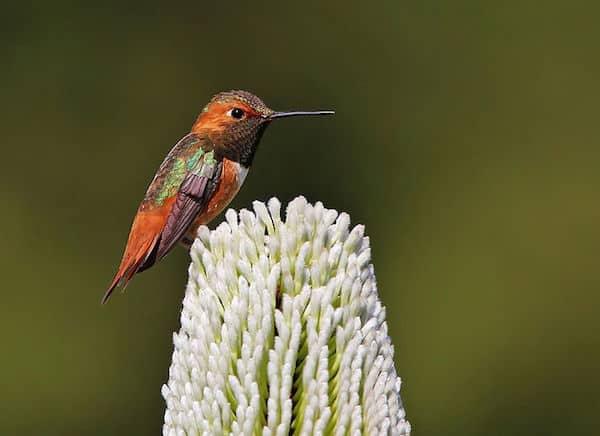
<point x="244" y="96"/>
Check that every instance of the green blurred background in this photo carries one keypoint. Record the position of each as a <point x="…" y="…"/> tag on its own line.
<point x="466" y="139"/>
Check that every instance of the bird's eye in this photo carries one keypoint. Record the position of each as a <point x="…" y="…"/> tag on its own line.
<point x="236" y="113"/>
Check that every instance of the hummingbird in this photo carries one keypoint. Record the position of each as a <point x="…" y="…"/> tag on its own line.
<point x="197" y="179"/>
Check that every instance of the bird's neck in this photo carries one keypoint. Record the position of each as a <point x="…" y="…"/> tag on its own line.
<point x="238" y="143"/>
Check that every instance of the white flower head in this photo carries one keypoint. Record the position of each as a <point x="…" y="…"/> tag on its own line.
<point x="282" y="331"/>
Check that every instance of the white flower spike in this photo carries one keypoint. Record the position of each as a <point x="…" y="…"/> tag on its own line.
<point x="282" y="331"/>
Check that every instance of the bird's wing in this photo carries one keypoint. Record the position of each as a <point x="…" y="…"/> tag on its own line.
<point x="191" y="199"/>
<point x="184" y="181"/>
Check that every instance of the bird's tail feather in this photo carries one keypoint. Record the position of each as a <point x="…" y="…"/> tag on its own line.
<point x="130" y="266"/>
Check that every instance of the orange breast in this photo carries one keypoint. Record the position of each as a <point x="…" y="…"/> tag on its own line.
<point x="228" y="187"/>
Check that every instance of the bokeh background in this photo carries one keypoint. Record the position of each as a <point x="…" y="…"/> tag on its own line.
<point x="466" y="139"/>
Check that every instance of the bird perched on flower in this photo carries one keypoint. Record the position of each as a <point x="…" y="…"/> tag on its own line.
<point x="198" y="179"/>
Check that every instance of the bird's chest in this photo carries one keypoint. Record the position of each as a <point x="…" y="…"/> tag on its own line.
<point x="232" y="178"/>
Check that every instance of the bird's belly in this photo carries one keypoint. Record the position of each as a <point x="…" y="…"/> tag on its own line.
<point x="232" y="178"/>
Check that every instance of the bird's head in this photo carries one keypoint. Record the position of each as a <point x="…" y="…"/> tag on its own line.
<point x="234" y="122"/>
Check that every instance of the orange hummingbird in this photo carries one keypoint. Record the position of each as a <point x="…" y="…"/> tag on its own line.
<point x="197" y="180"/>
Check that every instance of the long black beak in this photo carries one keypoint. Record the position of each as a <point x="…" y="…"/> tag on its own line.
<point x="297" y="113"/>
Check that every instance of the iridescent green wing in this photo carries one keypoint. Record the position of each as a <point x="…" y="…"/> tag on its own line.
<point x="197" y="188"/>
<point x="182" y="158"/>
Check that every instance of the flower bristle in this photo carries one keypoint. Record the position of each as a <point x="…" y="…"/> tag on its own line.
<point x="282" y="331"/>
